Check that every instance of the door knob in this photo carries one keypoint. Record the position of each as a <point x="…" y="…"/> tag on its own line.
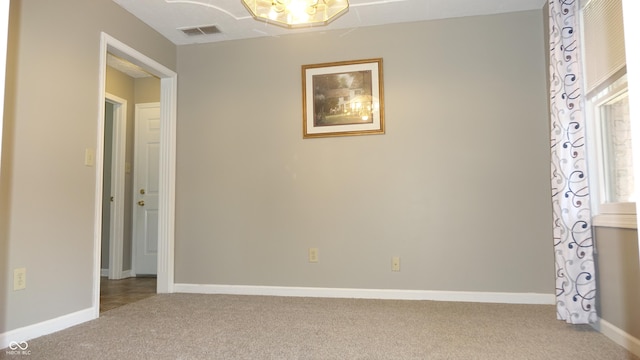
<point x="142" y="192"/>
<point x="141" y="202"/>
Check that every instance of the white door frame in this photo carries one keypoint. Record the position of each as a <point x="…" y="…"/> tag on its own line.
<point x="168" y="103"/>
<point x="116" y="232"/>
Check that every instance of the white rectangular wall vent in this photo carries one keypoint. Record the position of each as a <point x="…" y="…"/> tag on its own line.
<point x="201" y="30"/>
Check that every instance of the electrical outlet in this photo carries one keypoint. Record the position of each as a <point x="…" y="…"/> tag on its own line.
<point x="313" y="255"/>
<point x="89" y="157"/>
<point x="395" y="263"/>
<point x="19" y="279"/>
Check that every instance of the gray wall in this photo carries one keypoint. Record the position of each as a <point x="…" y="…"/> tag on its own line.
<point x="147" y="90"/>
<point x="458" y="187"/>
<point x="618" y="274"/>
<point x="46" y="192"/>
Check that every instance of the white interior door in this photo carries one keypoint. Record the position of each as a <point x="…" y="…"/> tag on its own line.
<point x="146" y="180"/>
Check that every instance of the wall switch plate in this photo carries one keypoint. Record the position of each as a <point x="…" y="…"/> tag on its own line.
<point x="313" y="255"/>
<point x="395" y="263"/>
<point x="19" y="279"/>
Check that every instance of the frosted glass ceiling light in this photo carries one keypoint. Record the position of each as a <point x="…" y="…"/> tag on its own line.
<point x="296" y="13"/>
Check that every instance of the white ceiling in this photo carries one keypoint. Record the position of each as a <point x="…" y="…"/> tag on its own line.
<point x="126" y="67"/>
<point x="234" y="21"/>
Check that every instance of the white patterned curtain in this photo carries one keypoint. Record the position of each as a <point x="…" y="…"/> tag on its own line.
<point x="573" y="241"/>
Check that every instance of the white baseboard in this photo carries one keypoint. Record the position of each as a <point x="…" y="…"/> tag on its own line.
<point x="124" y="275"/>
<point x="459" y="296"/>
<point x="46" y="327"/>
<point x="618" y="336"/>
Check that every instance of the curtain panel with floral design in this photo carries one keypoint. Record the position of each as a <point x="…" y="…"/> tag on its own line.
<point x="572" y="235"/>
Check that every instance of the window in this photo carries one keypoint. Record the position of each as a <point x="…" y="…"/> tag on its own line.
<point x="611" y="143"/>
<point x="615" y="127"/>
<point x="608" y="123"/>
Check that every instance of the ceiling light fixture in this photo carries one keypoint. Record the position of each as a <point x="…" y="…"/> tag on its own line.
<point x="296" y="13"/>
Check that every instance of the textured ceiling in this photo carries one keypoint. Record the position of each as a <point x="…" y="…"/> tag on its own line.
<point x="168" y="17"/>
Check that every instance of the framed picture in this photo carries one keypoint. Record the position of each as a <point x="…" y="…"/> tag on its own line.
<point x="342" y="98"/>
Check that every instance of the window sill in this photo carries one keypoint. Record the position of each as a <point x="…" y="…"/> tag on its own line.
<point x="622" y="221"/>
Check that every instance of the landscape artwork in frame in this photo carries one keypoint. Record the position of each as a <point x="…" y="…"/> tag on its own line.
<point x="343" y="98"/>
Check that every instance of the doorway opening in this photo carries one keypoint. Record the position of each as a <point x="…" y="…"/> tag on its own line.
<point x="124" y="279"/>
<point x="166" y="170"/>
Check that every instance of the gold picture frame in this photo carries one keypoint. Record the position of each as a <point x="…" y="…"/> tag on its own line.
<point x="342" y="98"/>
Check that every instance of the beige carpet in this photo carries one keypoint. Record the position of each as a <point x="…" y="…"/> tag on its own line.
<point x="182" y="326"/>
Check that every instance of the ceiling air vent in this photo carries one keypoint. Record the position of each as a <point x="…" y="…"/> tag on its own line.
<point x="201" y="30"/>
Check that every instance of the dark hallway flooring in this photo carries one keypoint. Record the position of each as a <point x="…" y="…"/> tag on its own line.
<point x="115" y="293"/>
